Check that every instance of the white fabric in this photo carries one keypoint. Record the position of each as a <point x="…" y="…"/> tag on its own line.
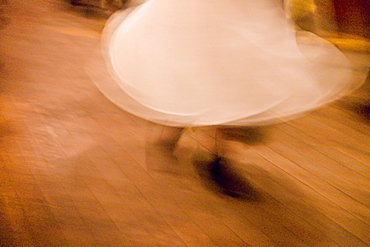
<point x="217" y="62"/>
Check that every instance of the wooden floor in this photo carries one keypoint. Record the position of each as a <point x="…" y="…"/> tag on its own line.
<point x="73" y="169"/>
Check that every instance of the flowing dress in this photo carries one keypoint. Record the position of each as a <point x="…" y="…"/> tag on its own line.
<point x="217" y="62"/>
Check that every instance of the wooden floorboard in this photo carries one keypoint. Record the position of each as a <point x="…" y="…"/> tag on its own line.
<point x="74" y="172"/>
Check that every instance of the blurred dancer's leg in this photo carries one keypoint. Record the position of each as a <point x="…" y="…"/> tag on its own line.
<point x="161" y="142"/>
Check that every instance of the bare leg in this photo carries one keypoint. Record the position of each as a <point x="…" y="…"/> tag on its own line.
<point x="163" y="135"/>
<point x="213" y="142"/>
<point x="161" y="143"/>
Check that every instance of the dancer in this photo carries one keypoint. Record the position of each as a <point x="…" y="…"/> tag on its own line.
<point x="192" y="63"/>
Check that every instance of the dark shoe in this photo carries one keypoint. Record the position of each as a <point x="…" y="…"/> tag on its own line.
<point x="221" y="177"/>
<point x="230" y="181"/>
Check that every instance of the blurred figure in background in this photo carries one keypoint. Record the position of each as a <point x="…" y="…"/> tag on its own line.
<point x="4" y="20"/>
<point x="353" y="17"/>
<point x="112" y="5"/>
<point x="218" y="63"/>
<point x="345" y="23"/>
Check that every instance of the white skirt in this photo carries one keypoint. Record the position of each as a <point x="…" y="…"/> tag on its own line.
<point x="216" y="62"/>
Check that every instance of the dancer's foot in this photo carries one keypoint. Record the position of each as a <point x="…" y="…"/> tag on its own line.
<point x="221" y="177"/>
<point x="230" y="181"/>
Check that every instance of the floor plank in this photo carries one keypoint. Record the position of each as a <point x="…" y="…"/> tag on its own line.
<point x="74" y="168"/>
